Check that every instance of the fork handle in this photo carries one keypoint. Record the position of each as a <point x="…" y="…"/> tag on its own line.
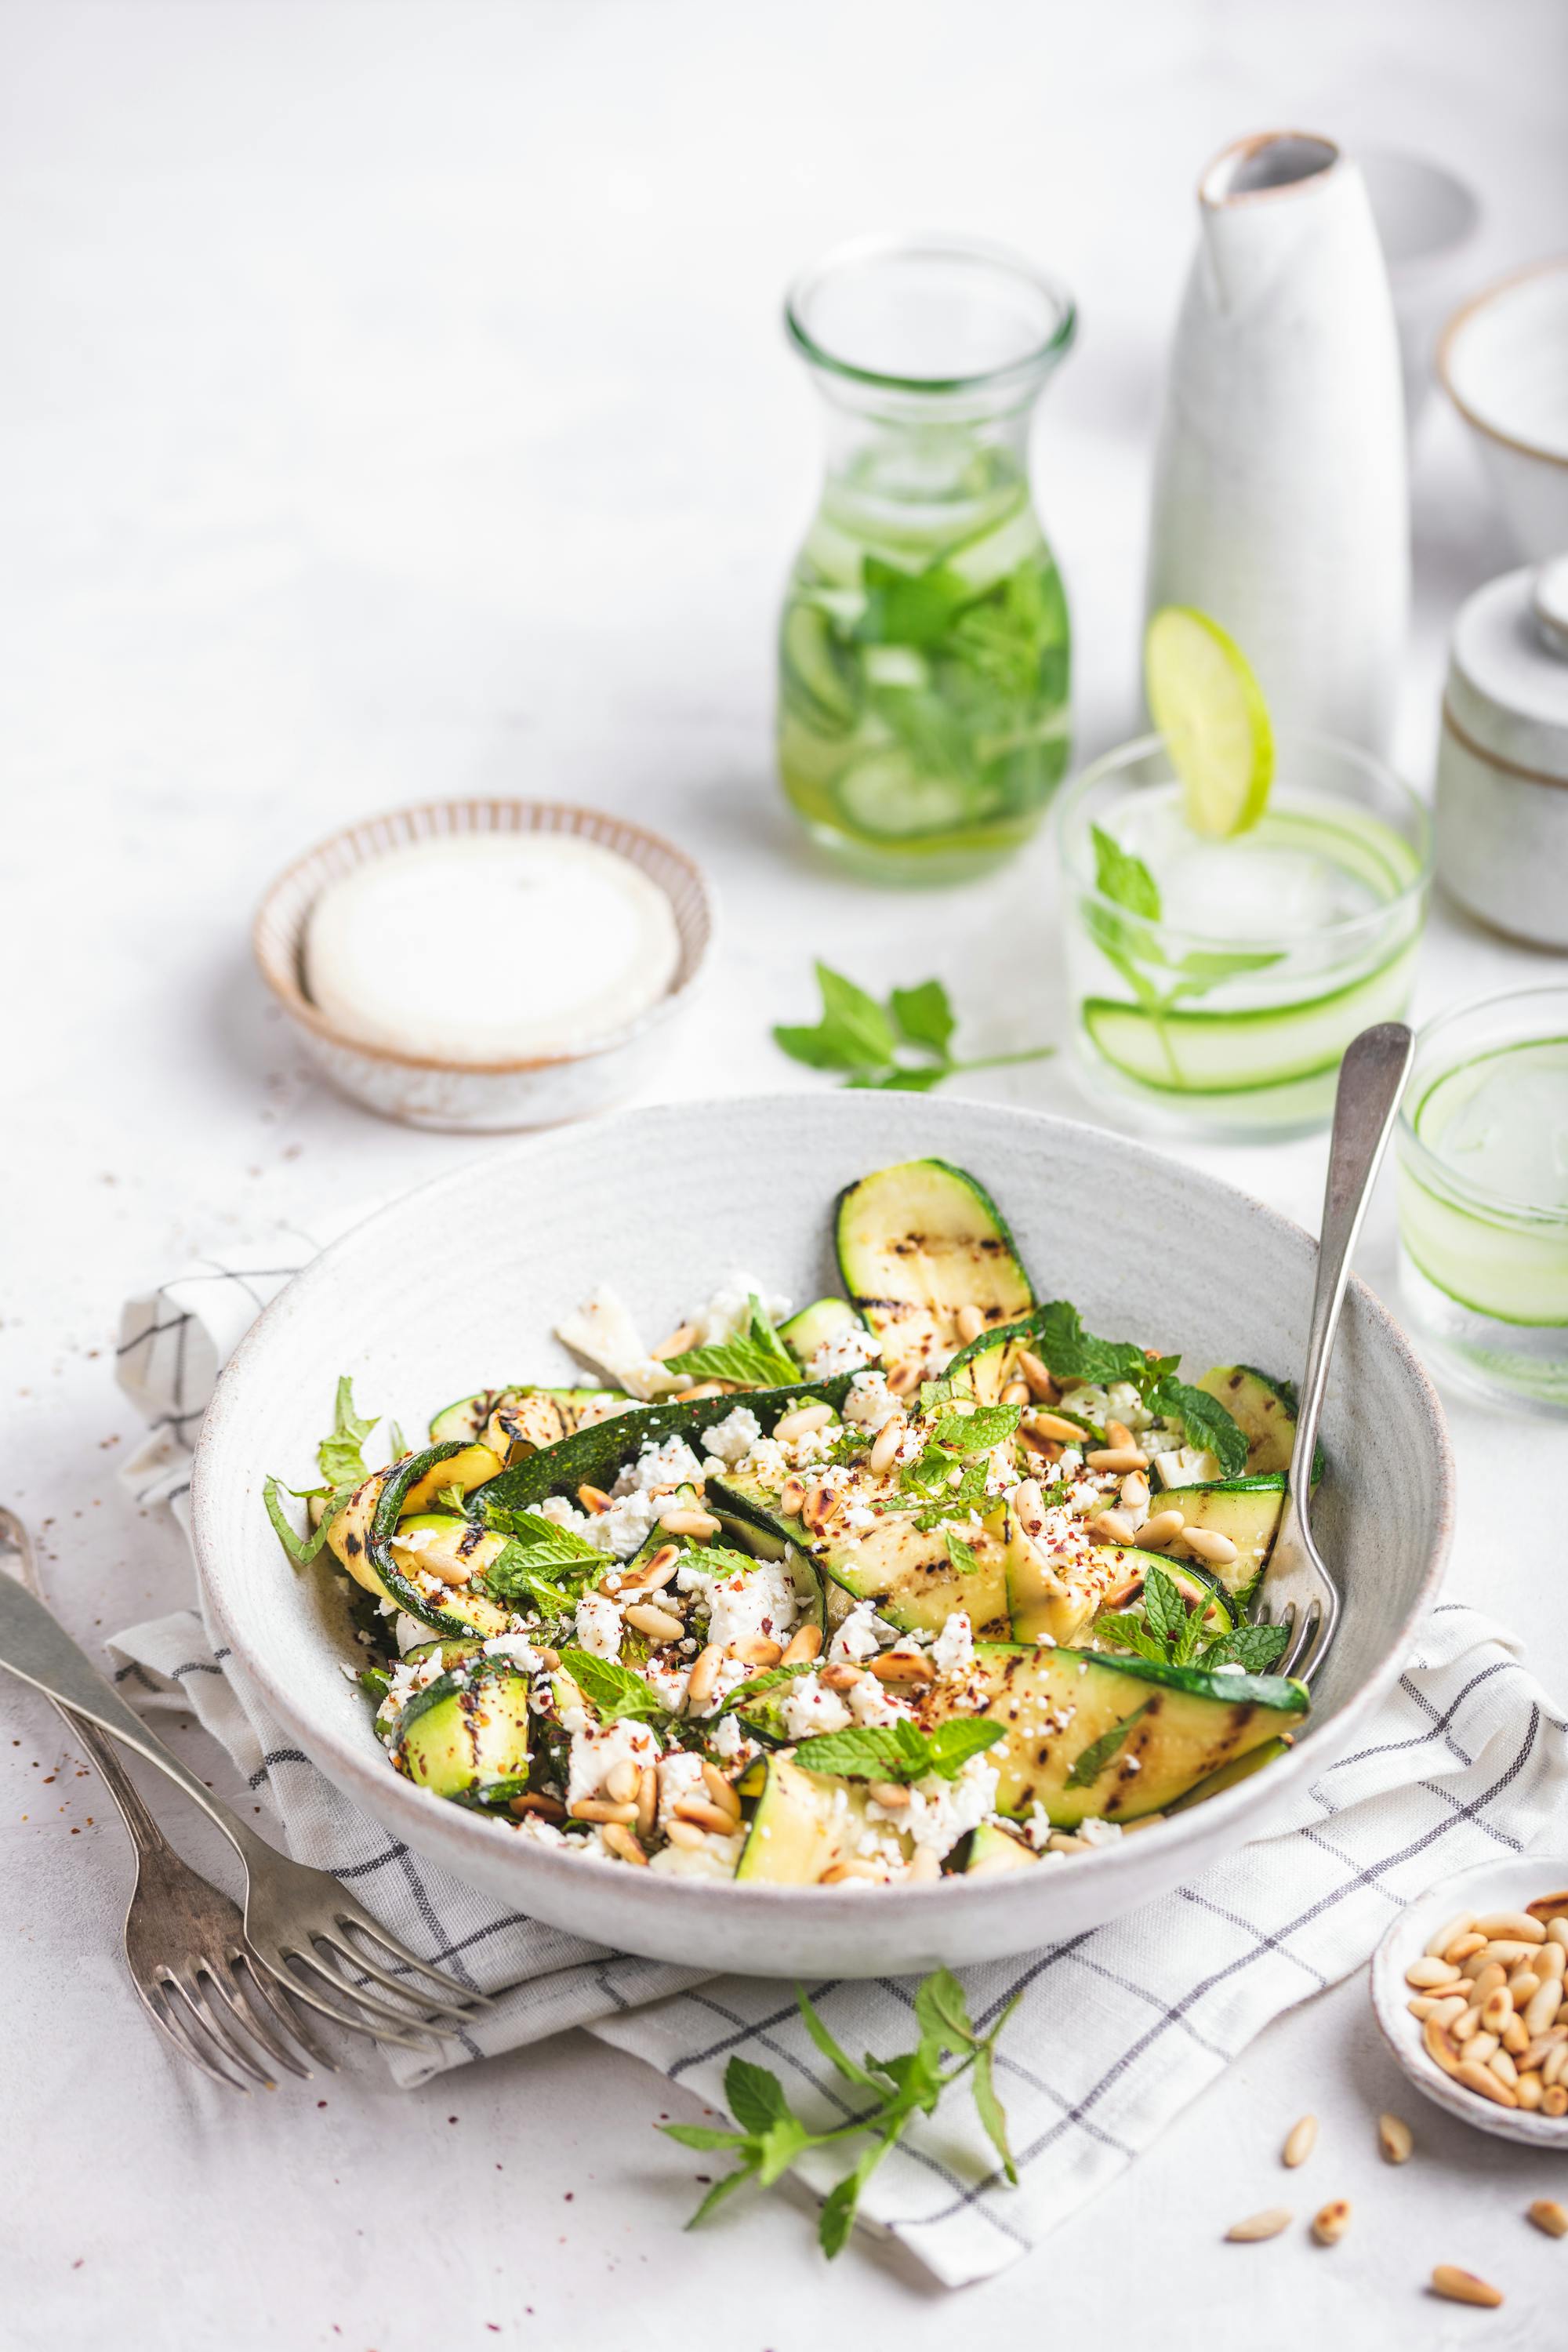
<point x="1372" y="1079"/>
<point x="35" y="1646"/>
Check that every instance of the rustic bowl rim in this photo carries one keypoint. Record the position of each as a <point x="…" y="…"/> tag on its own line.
<point x="275" y="941"/>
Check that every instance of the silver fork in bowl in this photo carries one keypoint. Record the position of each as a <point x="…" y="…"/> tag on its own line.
<point x="185" y="1940"/>
<point x="1296" y="1589"/>
<point x="299" y="1928"/>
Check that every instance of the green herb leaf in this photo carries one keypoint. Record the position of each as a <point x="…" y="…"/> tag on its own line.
<point x="1088" y="1766"/>
<point x="935" y="1392"/>
<point x="869" y="1044"/>
<point x="988" y="2106"/>
<point x="721" y="2189"/>
<point x="963" y="1556"/>
<point x="1164" y="1607"/>
<point x="910" y="608"/>
<point x="747" y="1693"/>
<point x="836" y="2057"/>
<point x="453" y="1499"/>
<point x="837" y="2219"/>
<point x="545" y="1540"/>
<point x="1252" y="1647"/>
<point x="980" y="1431"/>
<point x="703" y="2135"/>
<point x="898" y="1751"/>
<point x="341" y="1456"/>
<point x="1072" y="1354"/>
<point x="1124" y="879"/>
<point x="924" y="1015"/>
<point x="612" y="1690"/>
<point x="755" y="1356"/>
<point x="1205" y="1422"/>
<point x="753" y="2095"/>
<point x="1128" y="1630"/>
<point x="300" y="1548"/>
<point x="1191" y="1632"/>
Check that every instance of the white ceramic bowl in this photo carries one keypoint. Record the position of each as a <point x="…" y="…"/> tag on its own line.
<point x="1503" y="360"/>
<point x="456" y="1288"/>
<point x="1491" y="1886"/>
<point x="490" y="1097"/>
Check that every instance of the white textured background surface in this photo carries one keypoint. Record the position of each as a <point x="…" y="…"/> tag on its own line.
<point x="395" y="402"/>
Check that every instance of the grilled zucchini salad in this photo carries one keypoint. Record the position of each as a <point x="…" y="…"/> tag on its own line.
<point x="921" y="1581"/>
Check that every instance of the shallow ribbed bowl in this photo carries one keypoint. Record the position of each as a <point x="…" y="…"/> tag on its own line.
<point x="486" y="1097"/>
<point x="457" y="1288"/>
<point x="1503" y="362"/>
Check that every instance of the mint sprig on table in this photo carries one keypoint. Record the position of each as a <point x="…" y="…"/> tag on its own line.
<point x="341" y="1458"/>
<point x="771" y="2138"/>
<point x="755" y="1356"/>
<point x="1171" y="1632"/>
<point x="904" y="1045"/>
<point x="1127" y="945"/>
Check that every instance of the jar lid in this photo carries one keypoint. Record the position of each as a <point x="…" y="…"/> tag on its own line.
<point x="1508" y="671"/>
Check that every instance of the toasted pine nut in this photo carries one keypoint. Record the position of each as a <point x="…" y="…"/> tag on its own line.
<point x="892" y="1793"/>
<point x="1548" y="2215"/>
<point x="841" y="1677"/>
<point x="719" y="1789"/>
<point x="1015" y="1393"/>
<point x="1135" y="1491"/>
<point x="1502" y="2066"/>
<point x="792" y="1495"/>
<point x="648" y="1800"/>
<point x="969" y="1323"/>
<point x="1063" y="1842"/>
<point x="1028" y="1503"/>
<point x="1554" y="2065"/>
<point x="621" y="1781"/>
<point x="1460" y="1925"/>
<point x="1114" y="1457"/>
<point x="1259" y="2225"/>
<point x="804" y="1642"/>
<point x="1463" y="1947"/>
<point x="450" y="1571"/>
<point x="1482" y="2079"/>
<point x="1542" y="2006"/>
<point x="904" y="1378"/>
<point x="592" y="1498"/>
<point x="1207" y="1543"/>
<point x="1046" y="1449"/>
<point x="1427" y="1974"/>
<point x="622" y="1842"/>
<point x="686" y="1834"/>
<point x="1550" y="1961"/>
<point x="1331" y="2222"/>
<point x="1118" y="1433"/>
<point x="548" y="1808"/>
<point x="1041" y="1384"/>
<point x="657" y="1571"/>
<point x="885" y="1445"/>
<point x="1109" y="1527"/>
<point x="1464" y="2286"/>
<point x="1464" y="2028"/>
<point x="1394" y="2139"/>
<point x="1516" y="2037"/>
<point x="1439" y="2049"/>
<point x="680" y="1519"/>
<point x="755" y="1651"/>
<point x="1299" y="2141"/>
<point x="1536" y="2052"/>
<point x="1523" y="1985"/>
<point x="801" y="1422"/>
<point x="703" y="1388"/>
<point x="1530" y="2090"/>
<point x="658" y="1624"/>
<point x="902" y="1666"/>
<point x="705" y="1816"/>
<point x="1521" y="1926"/>
<point x="1506" y="1952"/>
<point x="1480" y="2046"/>
<point x="818" y="1506"/>
<point x="1422" y="2006"/>
<point x="596" y="1809"/>
<point x="1486" y="1982"/>
<point x="1554" y="2098"/>
<point x="852" y="1867"/>
<point x="1444" y="2013"/>
<point x="1060" y="1431"/>
<point x="923" y="1864"/>
<point x="704" y="1676"/>
<point x="1557" y="1932"/>
<point x="1157" y="1532"/>
<point x="1497" y="2011"/>
<point x="684" y="1335"/>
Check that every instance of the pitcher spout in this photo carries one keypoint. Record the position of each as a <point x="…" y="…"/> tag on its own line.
<point x="1260" y="202"/>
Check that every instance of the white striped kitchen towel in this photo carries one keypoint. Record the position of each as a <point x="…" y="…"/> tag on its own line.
<point x="1468" y="1756"/>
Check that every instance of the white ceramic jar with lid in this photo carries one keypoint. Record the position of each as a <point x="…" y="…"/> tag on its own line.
<point x="1502" y="766"/>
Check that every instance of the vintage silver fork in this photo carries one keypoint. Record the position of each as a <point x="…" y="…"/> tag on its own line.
<point x="300" y="1927"/>
<point x="1296" y="1591"/>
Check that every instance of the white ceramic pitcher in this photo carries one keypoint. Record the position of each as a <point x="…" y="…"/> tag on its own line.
<point x="1281" y="497"/>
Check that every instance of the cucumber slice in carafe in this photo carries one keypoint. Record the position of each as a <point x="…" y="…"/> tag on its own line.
<point x="885" y="794"/>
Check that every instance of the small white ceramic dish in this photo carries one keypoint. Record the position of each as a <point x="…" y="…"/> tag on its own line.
<point x="492" y="1096"/>
<point x="1427" y="216"/>
<point x="1503" y="361"/>
<point x="1491" y="1887"/>
<point x="457" y="1288"/>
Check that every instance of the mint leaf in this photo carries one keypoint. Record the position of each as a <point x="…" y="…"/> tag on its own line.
<point x="758" y="1686"/>
<point x="1165" y="1609"/>
<point x="1124" y="879"/>
<point x="546" y="1541"/>
<point x="753" y="2095"/>
<point x="963" y="1556"/>
<point x="1073" y="1354"/>
<point x="897" y="1751"/>
<point x="1130" y="1631"/>
<point x="1088" y="1766"/>
<point x="910" y="608"/>
<point x="988" y="2106"/>
<point x="953" y="1744"/>
<point x="836" y="2057"/>
<point x="1253" y="1647"/>
<point x="721" y="2189"/>
<point x="978" y="1431"/>
<point x="935" y="1392"/>
<point x="342" y="1456"/>
<point x="1191" y="1633"/>
<point x="1205" y="1422"/>
<point x="837" y="2219"/>
<point x="702" y="2136"/>
<point x="612" y="1690"/>
<point x="855" y="1016"/>
<point x="755" y="1356"/>
<point x="924" y="1015"/>
<point x="300" y="1548"/>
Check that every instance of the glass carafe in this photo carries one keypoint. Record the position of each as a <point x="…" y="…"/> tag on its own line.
<point x="924" y="648"/>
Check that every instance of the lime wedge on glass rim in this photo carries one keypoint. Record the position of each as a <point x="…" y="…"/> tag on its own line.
<point x="1210" y="710"/>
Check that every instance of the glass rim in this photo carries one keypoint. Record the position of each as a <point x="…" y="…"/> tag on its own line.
<point x="1076" y="788"/>
<point x="1465" y="1193"/>
<point x="890" y="245"/>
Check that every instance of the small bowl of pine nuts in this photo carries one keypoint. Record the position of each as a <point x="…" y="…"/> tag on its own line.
<point x="1469" y="1989"/>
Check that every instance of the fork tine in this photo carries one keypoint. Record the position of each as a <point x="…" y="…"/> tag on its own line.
<point x="184" y="2022"/>
<point x="355" y="2020"/>
<point x="244" y="2019"/>
<point x="470" y="1998"/>
<point x="1304" y="1634"/>
<point x="257" y="1981"/>
<point x="171" y="2026"/>
<point x="396" y="1984"/>
<point x="343" y="1959"/>
<point x="232" y="2039"/>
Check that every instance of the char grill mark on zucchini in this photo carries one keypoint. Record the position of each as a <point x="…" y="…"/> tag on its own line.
<point x="916" y="1244"/>
<point x="457" y="1611"/>
<point x="468" y="1735"/>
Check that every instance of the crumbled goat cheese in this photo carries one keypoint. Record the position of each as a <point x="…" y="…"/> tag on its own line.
<point x="603" y="1330"/>
<point x="597" y="1750"/>
<point x="755" y="1605"/>
<point x="660" y="1467"/>
<point x="598" y="1625"/>
<point x="870" y="1703"/>
<point x="808" y="1709"/>
<point x="728" y="1739"/>
<point x="734" y="1435"/>
<point x="667" y="1679"/>
<point x="847" y="1353"/>
<point x="861" y="1635"/>
<point x="621" y="1528"/>
<point x="860" y="1515"/>
<point x="1098" y="1832"/>
<point x="952" y="1651"/>
<point x="870" y="1403"/>
<point x="680" y="1777"/>
<point x="556" y="1508"/>
<point x="942" y="1812"/>
<point x="409" y="1633"/>
<point x="768" y="1459"/>
<point x="406" y="1678"/>
<point x="516" y="1646"/>
<point x="730" y="1309"/>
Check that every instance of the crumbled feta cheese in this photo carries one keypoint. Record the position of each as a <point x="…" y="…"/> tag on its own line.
<point x="516" y="1647"/>
<point x="942" y="1812"/>
<point x="658" y="1468"/>
<point x="952" y="1651"/>
<point x="847" y="1353"/>
<point x="409" y="1633"/>
<point x="860" y="1515"/>
<point x="408" y="1677"/>
<point x="753" y="1604"/>
<point x="598" y="1625"/>
<point x="870" y="1404"/>
<point x="730" y="1309"/>
<point x="807" y="1709"/>
<point x="599" y="1748"/>
<point x="556" y="1508"/>
<point x="1098" y="1832"/>
<point x="603" y="1330"/>
<point x="861" y="1635"/>
<point x="680" y="1777"/>
<point x="870" y="1703"/>
<point x="667" y="1679"/>
<point x="768" y="1459"/>
<point x="728" y="1739"/>
<point x="622" y="1528"/>
<point x="734" y="1435"/>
